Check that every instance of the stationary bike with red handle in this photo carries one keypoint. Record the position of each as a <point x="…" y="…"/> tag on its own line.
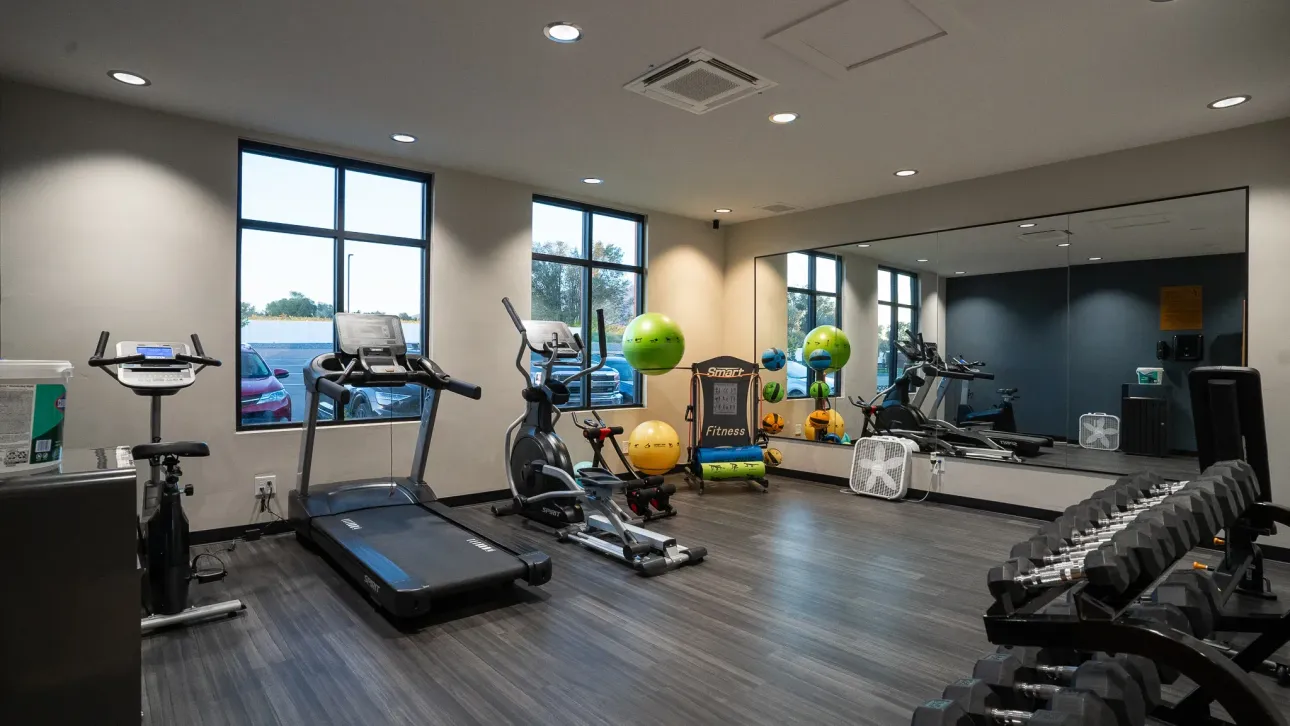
<point x="648" y="497"/>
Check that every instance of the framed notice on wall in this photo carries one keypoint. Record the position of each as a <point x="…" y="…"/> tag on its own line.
<point x="1181" y="308"/>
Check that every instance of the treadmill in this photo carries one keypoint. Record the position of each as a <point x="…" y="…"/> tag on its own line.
<point x="391" y="536"/>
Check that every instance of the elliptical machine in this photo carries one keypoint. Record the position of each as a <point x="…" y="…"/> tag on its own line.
<point x="155" y="370"/>
<point x="652" y="497"/>
<point x="544" y="487"/>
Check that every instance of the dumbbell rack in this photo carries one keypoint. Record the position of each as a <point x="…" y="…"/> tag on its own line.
<point x="1099" y="624"/>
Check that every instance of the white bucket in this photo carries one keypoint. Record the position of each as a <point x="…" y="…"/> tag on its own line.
<point x="33" y="406"/>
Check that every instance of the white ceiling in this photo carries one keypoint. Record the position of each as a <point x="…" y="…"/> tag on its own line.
<point x="1010" y="84"/>
<point x="1209" y="224"/>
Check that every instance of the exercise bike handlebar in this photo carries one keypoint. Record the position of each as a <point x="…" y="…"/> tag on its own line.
<point x="201" y="359"/>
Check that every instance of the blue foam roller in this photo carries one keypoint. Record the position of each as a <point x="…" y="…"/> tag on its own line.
<point x="728" y="453"/>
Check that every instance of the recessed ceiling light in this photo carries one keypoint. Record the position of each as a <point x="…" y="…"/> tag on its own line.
<point x="1229" y="102"/>
<point x="562" y="32"/>
<point x="1063" y="244"/>
<point x="783" y="118"/>
<point x="907" y="172"/>
<point x="865" y="244"/>
<point x="721" y="210"/>
<point x="922" y="260"/>
<point x="960" y="272"/>
<point x="403" y="138"/>
<point x="1094" y="259"/>
<point x="1027" y="225"/>
<point x="593" y="180"/>
<point x="129" y="79"/>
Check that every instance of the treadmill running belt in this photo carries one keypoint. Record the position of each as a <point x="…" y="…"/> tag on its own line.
<point x="416" y="552"/>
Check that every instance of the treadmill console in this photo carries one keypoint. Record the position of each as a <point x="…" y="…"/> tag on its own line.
<point x="376" y="340"/>
<point x="159" y="369"/>
<point x="550" y="334"/>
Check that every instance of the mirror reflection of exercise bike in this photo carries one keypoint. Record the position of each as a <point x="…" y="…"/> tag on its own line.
<point x="648" y="497"/>
<point x="540" y="473"/>
<point x="157" y="369"/>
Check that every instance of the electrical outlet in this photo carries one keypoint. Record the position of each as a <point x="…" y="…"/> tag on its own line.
<point x="266" y="486"/>
<point x="797" y="430"/>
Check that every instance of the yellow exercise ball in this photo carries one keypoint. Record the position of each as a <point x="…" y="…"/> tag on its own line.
<point x="830" y="421"/>
<point x="654" y="448"/>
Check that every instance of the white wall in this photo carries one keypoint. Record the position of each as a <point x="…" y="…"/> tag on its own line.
<point x="118" y="218"/>
<point x="1255" y="156"/>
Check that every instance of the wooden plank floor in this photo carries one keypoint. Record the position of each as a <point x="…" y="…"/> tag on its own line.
<point x="813" y="607"/>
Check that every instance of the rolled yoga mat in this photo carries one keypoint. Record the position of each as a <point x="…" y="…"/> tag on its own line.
<point x="734" y="470"/>
<point x="728" y="453"/>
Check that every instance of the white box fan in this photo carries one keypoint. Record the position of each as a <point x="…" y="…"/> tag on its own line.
<point x="882" y="466"/>
<point x="1099" y="431"/>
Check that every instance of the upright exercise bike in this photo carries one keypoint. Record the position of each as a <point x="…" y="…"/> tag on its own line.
<point x="544" y="487"/>
<point x="648" y="497"/>
<point x="155" y="370"/>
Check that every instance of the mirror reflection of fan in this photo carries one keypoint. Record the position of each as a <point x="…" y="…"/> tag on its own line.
<point x="881" y="466"/>
<point x="1099" y="431"/>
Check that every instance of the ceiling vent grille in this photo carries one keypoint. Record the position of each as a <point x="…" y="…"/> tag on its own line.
<point x="1053" y="236"/>
<point x="778" y="208"/>
<point x="699" y="82"/>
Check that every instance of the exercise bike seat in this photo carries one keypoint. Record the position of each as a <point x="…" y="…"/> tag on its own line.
<point x="170" y="448"/>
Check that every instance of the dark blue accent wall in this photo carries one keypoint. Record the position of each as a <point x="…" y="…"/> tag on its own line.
<point x="1016" y="323"/>
<point x="1114" y="326"/>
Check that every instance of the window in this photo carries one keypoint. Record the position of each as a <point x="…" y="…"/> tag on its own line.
<point x="897" y="317"/>
<point x="584" y="258"/>
<point x="316" y="235"/>
<point x="814" y="299"/>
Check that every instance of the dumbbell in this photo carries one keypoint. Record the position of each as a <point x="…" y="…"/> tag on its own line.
<point x="1243" y="474"/>
<point x="971" y="702"/>
<point x="1112" y="566"/>
<point x="1165" y="534"/>
<point x="1107" y="680"/>
<point x="1195" y="594"/>
<point x="1167" y="615"/>
<point x="1146" y="544"/>
<point x="1053" y="665"/>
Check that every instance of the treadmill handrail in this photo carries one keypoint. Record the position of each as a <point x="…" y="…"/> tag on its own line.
<point x="422" y="371"/>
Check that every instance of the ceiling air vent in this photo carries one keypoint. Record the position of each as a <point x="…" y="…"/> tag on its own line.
<point x="778" y="208"/>
<point x="1052" y="236"/>
<point x="699" y="82"/>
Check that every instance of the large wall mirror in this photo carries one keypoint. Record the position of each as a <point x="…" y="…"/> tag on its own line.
<point x="1061" y="340"/>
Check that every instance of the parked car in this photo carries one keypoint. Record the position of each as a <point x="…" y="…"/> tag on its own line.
<point x="626" y="377"/>
<point x="263" y="399"/>
<point x="604" y="384"/>
<point x="378" y="403"/>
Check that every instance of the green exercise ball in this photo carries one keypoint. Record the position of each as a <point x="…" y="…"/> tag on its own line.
<point x="820" y="389"/>
<point x="653" y="344"/>
<point x="772" y="392"/>
<point x="832" y="340"/>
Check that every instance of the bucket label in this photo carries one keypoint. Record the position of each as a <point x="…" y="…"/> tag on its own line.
<point x="31" y="423"/>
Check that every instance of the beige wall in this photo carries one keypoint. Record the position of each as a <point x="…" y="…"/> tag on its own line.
<point x="1255" y="156"/>
<point x="118" y="218"/>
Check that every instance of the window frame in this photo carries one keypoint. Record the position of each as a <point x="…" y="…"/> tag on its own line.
<point x="587" y="264"/>
<point x="339" y="237"/>
<point x="811" y="292"/>
<point x="915" y="308"/>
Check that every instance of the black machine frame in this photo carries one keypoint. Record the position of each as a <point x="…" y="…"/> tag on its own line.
<point x="1228" y="412"/>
